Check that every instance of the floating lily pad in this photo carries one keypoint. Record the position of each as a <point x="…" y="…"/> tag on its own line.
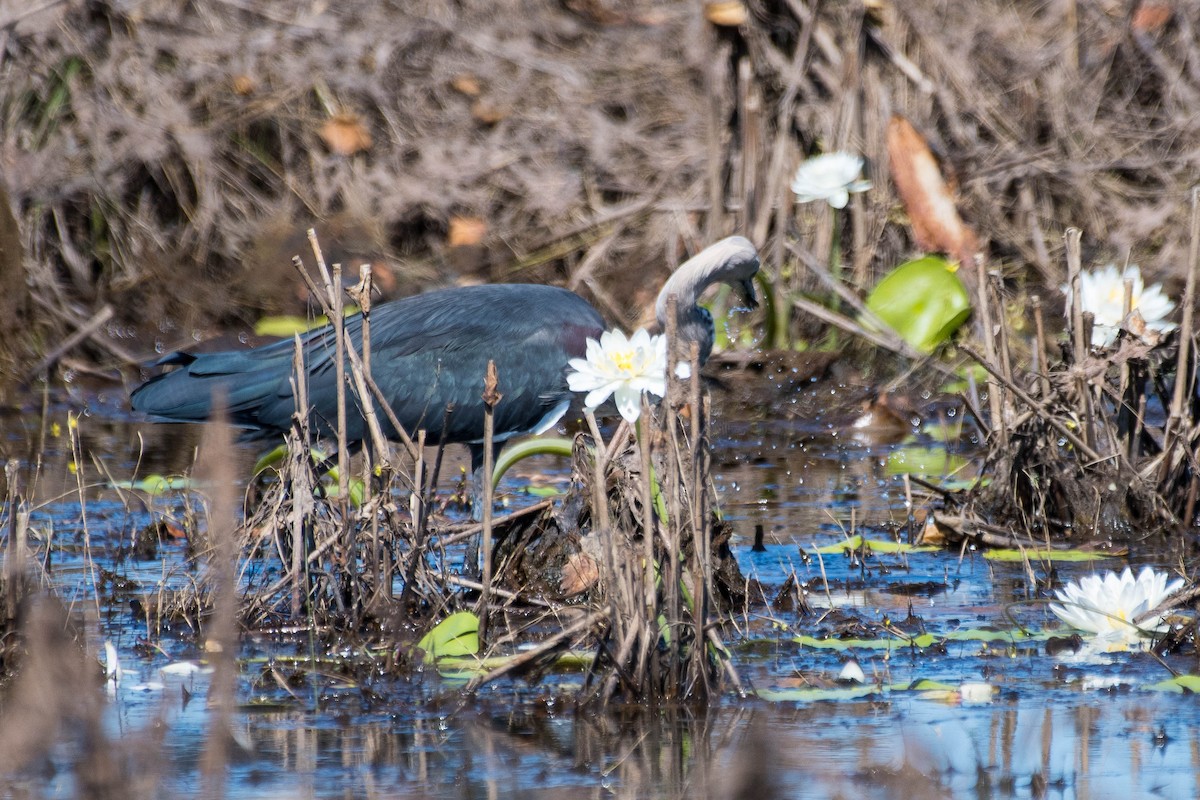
<point x="922" y="300"/>
<point x="156" y="484"/>
<point x="922" y="640"/>
<point x="543" y="491"/>
<point x="1003" y="554"/>
<point x="1180" y="684"/>
<point x="812" y="694"/>
<point x="856" y="542"/>
<point x="456" y="635"/>
<point x="924" y="462"/>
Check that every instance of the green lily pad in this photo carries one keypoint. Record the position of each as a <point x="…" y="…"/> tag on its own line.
<point x="543" y="491"/>
<point x="1003" y="554"/>
<point x="924" y="462"/>
<point x="155" y="484"/>
<point x="1180" y="684"/>
<point x="922" y="300"/>
<point x="812" y="694"/>
<point x="456" y="635"/>
<point x="922" y="640"/>
<point x="856" y="542"/>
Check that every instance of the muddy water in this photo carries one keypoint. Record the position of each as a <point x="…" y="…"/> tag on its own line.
<point x="1044" y="727"/>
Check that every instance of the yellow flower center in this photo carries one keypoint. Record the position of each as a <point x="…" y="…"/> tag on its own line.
<point x="1116" y="296"/>
<point x="623" y="360"/>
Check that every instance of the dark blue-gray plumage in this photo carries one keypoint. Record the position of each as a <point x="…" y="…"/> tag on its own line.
<point x="431" y="351"/>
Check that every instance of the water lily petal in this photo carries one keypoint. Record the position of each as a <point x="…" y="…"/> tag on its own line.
<point x="629" y="403"/>
<point x="830" y="177"/>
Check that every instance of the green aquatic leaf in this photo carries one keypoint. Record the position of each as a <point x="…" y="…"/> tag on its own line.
<point x="856" y="541"/>
<point x="923" y="640"/>
<point x="155" y="484"/>
<point x="812" y="694"/>
<point x="891" y="642"/>
<point x="356" y="489"/>
<point x="460" y="670"/>
<point x="275" y="456"/>
<point x="543" y="491"/>
<point x="1180" y="684"/>
<point x="1042" y="554"/>
<point x="456" y="635"/>
<point x="549" y="446"/>
<point x="922" y="300"/>
<point x="285" y="326"/>
<point x="924" y="462"/>
<point x="992" y="635"/>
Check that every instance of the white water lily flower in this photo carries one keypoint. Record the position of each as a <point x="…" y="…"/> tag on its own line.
<point x="1108" y="604"/>
<point x="1102" y="292"/>
<point x="623" y="368"/>
<point x="831" y="177"/>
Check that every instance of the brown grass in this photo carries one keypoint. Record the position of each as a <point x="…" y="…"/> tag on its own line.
<point x="164" y="162"/>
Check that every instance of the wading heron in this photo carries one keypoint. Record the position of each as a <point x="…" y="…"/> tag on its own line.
<point x="430" y="352"/>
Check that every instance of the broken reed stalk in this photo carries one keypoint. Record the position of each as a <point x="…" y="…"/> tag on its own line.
<point x="1189" y="297"/>
<point x="369" y="388"/>
<point x="491" y="396"/>
<point x="380" y="561"/>
<point x="299" y="571"/>
<point x="1043" y="353"/>
<point x="333" y="302"/>
<point x="600" y="510"/>
<point x="1177" y="435"/>
<point x="1080" y="329"/>
<point x="999" y="426"/>
<point x="14" y="556"/>
<point x="648" y="619"/>
<point x="215" y="471"/>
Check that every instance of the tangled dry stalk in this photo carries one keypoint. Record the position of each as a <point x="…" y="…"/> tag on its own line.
<point x="164" y="145"/>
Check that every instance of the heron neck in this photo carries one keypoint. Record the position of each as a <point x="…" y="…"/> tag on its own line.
<point x="686" y="286"/>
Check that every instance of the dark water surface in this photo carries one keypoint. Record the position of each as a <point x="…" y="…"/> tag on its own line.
<point x="1046" y="728"/>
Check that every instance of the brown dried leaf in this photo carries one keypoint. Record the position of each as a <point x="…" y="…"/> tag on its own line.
<point x="486" y="112"/>
<point x="580" y="573"/>
<point x="726" y="13"/>
<point x="934" y="218"/>
<point x="466" y="231"/>
<point x="243" y="85"/>
<point x="468" y="84"/>
<point x="345" y="134"/>
<point x="1151" y="17"/>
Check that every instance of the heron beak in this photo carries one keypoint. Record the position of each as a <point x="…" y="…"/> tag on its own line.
<point x="746" y="288"/>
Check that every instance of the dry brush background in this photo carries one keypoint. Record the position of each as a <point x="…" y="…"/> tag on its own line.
<point x="163" y="157"/>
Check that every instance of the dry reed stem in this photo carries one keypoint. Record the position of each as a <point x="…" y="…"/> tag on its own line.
<point x="999" y="424"/>
<point x="491" y="396"/>
<point x="214" y="468"/>
<point x="1189" y="298"/>
<point x="1043" y="353"/>
<point x="300" y="507"/>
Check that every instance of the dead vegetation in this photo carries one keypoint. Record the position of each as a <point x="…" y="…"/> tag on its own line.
<point x="1090" y="446"/>
<point x="162" y="156"/>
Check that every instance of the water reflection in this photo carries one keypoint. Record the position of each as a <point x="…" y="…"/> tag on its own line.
<point x="1041" y="737"/>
